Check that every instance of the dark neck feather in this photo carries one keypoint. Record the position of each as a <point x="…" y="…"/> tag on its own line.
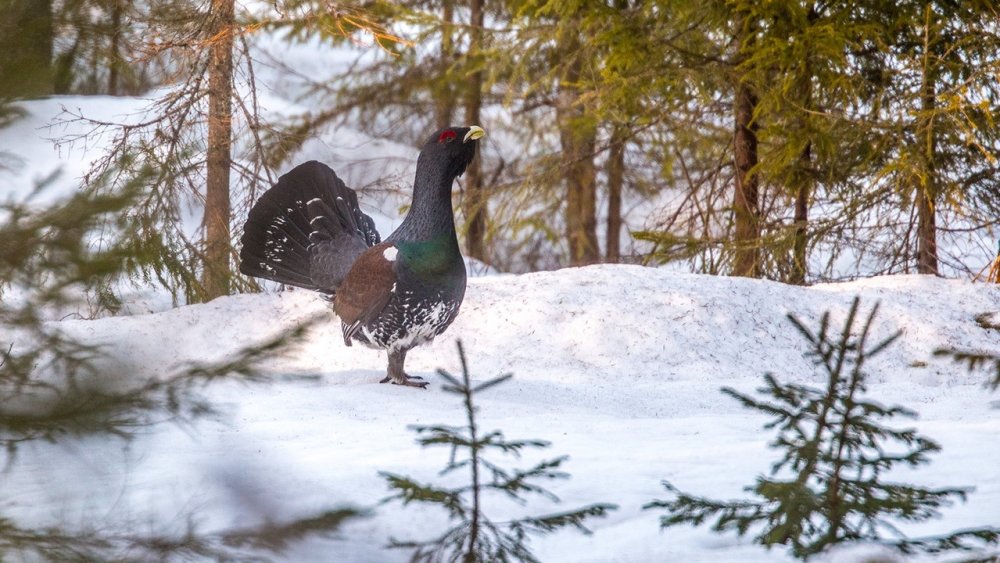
<point x="430" y="212"/>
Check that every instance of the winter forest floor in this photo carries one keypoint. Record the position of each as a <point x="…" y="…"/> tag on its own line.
<point x="619" y="367"/>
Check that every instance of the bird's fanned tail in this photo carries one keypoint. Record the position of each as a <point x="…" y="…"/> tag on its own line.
<point x="306" y="231"/>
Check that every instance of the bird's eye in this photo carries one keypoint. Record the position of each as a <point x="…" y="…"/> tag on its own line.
<point x="446" y="136"/>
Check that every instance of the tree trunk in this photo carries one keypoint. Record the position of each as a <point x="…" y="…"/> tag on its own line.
<point x="578" y="138"/>
<point x="26" y="37"/>
<point x="804" y="178"/>
<point x="800" y="243"/>
<point x="746" y="205"/>
<point x="217" y="247"/>
<point x="444" y="94"/>
<point x="116" y="60"/>
<point x="578" y="142"/>
<point x="616" y="181"/>
<point x="474" y="202"/>
<point x="926" y="184"/>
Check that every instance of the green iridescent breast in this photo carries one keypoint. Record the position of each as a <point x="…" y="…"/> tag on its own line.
<point x="432" y="258"/>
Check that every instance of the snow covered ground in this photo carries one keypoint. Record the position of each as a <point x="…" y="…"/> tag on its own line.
<point x="618" y="366"/>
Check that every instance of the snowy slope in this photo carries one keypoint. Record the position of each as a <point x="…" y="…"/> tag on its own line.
<point x="619" y="367"/>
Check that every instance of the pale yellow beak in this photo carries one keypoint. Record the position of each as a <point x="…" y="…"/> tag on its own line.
<point x="475" y="132"/>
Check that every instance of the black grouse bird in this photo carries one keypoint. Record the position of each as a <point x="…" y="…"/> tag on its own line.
<point x="308" y="231"/>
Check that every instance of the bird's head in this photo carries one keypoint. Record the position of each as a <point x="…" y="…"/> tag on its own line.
<point x="452" y="148"/>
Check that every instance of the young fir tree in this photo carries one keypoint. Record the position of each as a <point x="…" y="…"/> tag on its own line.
<point x="477" y="538"/>
<point x="828" y="486"/>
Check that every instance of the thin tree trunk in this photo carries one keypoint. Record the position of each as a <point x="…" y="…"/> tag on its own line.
<point x="116" y="60"/>
<point x="803" y="177"/>
<point x="616" y="181"/>
<point x="474" y="202"/>
<point x="444" y="95"/>
<point x="926" y="188"/>
<point x="803" y="189"/>
<point x="217" y="273"/>
<point x="800" y="244"/>
<point x="746" y="205"/>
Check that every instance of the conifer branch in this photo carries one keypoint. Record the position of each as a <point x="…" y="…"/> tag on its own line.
<point x="54" y="388"/>
<point x="975" y="361"/>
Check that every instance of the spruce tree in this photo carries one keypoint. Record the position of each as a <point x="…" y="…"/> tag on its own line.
<point x="476" y="537"/>
<point x="828" y="486"/>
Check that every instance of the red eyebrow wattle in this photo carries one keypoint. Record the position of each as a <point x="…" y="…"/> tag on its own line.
<point x="446" y="135"/>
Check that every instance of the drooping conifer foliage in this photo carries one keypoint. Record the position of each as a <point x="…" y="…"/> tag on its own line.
<point x="829" y="485"/>
<point x="476" y="537"/>
<point x="56" y="389"/>
<point x="975" y="360"/>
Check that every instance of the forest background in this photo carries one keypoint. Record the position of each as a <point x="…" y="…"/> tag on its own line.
<point x="794" y="141"/>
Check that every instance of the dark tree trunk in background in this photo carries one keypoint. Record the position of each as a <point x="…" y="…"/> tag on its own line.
<point x="926" y="181"/>
<point x="800" y="244"/>
<point x="616" y="182"/>
<point x="578" y="139"/>
<point x="26" y="36"/>
<point x="444" y="94"/>
<point x="578" y="143"/>
<point x="116" y="60"/>
<point x="804" y="177"/>
<point x="746" y="204"/>
<point x="474" y="202"/>
<point x="803" y="190"/>
<point x="217" y="273"/>
<point x="926" y="187"/>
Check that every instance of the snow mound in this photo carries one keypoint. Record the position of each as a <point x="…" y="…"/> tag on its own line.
<point x="618" y="366"/>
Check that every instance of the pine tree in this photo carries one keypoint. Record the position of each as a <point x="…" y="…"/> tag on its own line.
<point x="477" y="538"/>
<point x="828" y="486"/>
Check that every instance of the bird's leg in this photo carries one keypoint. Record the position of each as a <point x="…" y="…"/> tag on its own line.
<point x="396" y="374"/>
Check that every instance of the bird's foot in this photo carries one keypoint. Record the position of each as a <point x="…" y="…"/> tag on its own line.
<point x="408" y="380"/>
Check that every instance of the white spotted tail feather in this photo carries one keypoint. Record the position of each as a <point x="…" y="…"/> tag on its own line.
<point x="306" y="231"/>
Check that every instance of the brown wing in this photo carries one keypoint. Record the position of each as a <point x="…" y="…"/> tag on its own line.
<point x="366" y="289"/>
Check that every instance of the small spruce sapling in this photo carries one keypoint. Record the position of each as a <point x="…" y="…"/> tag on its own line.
<point x="477" y="538"/>
<point x="828" y="487"/>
